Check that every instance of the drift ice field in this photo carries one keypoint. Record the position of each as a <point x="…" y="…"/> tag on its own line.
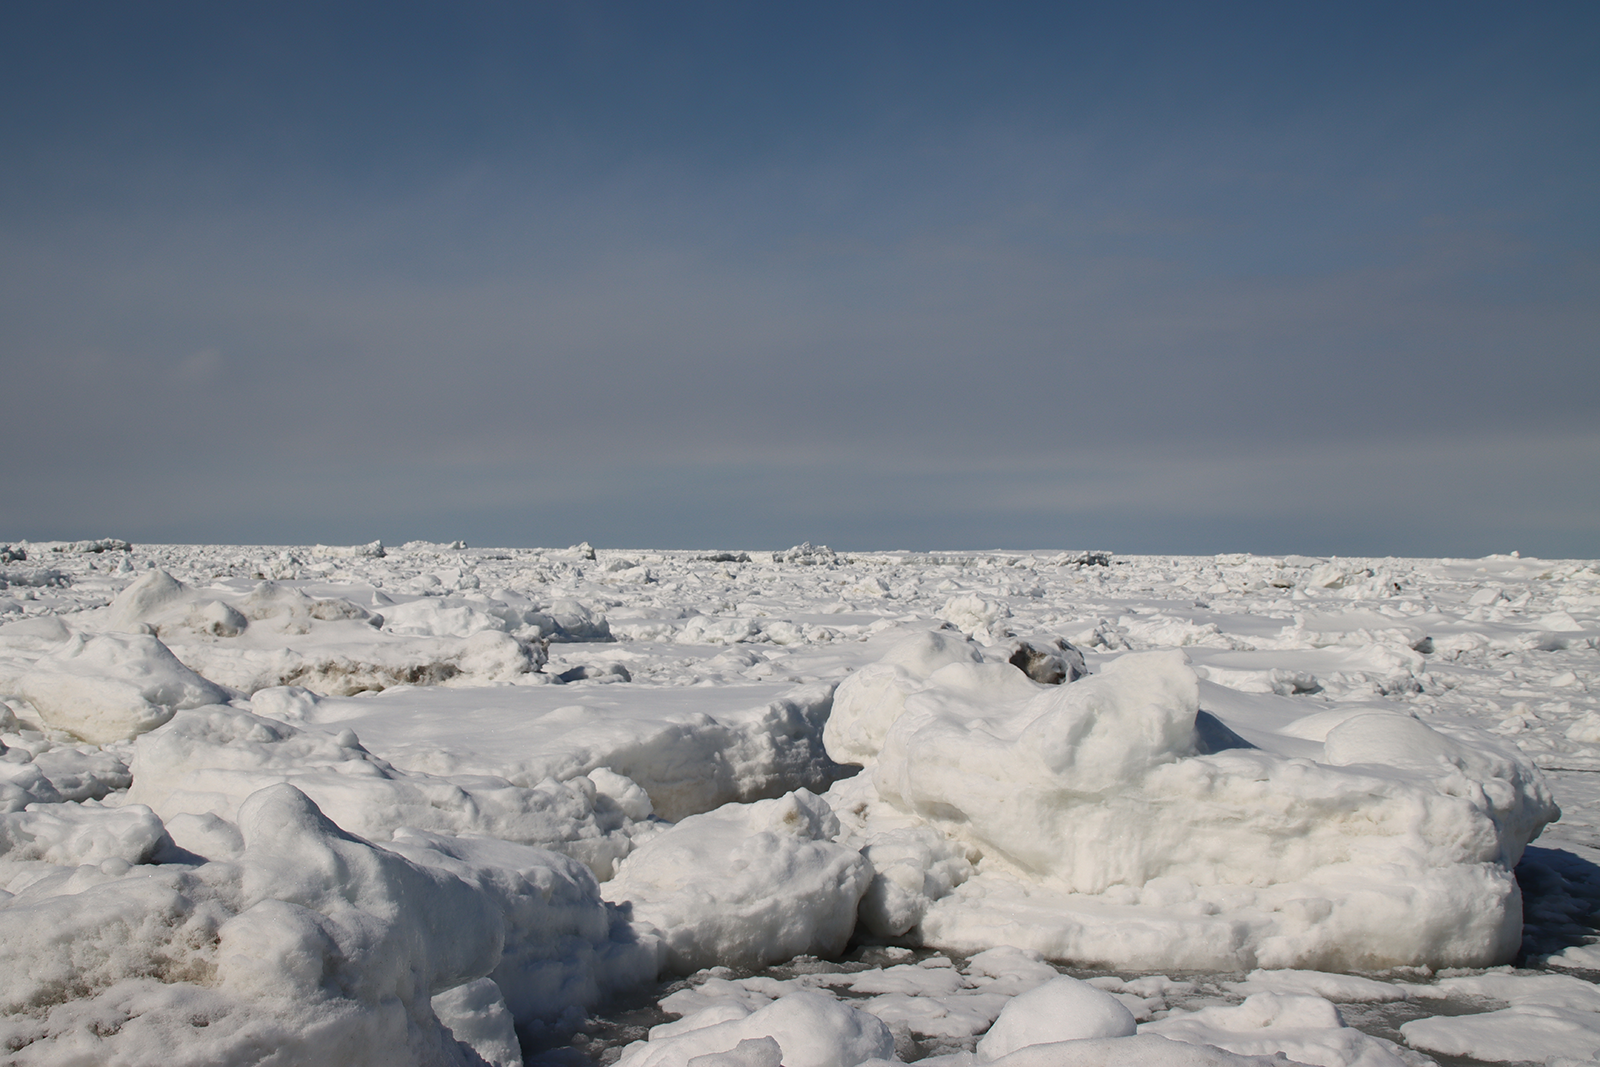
<point x="446" y="805"/>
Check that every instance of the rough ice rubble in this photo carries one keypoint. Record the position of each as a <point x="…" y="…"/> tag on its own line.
<point x="275" y="634"/>
<point x="1502" y="658"/>
<point x="1108" y="837"/>
<point x="308" y="944"/>
<point x="935" y="1012"/>
<point x="210" y="760"/>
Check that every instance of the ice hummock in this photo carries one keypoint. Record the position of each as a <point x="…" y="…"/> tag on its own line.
<point x="1102" y="833"/>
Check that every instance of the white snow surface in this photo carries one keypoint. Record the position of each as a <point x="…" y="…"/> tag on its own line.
<point x="439" y="805"/>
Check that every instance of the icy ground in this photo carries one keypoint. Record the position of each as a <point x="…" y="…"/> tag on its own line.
<point x="441" y="805"/>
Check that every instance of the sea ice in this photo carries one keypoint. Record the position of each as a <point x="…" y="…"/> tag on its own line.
<point x="337" y="806"/>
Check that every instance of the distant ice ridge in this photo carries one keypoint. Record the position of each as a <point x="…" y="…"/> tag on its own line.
<point x="275" y="635"/>
<point x="1085" y="821"/>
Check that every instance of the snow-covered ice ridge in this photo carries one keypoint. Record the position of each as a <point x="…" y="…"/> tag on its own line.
<point x="443" y="805"/>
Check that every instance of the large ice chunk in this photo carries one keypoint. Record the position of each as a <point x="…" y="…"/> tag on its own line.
<point x="476" y="1015"/>
<point x="691" y="748"/>
<point x="1107" y="834"/>
<point x="746" y="884"/>
<point x="441" y="931"/>
<point x="871" y="699"/>
<point x="565" y="948"/>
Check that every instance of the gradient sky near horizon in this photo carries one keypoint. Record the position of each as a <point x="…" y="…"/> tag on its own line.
<point x="1149" y="277"/>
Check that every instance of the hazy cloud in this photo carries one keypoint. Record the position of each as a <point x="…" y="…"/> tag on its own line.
<point x="921" y="275"/>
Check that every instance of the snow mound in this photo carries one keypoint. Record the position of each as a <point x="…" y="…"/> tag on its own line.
<point x="1063" y="1009"/>
<point x="111" y="687"/>
<point x="69" y="835"/>
<point x="1142" y="1050"/>
<point x="1304" y="1028"/>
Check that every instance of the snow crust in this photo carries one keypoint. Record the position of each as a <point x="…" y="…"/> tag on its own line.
<point x="440" y="805"/>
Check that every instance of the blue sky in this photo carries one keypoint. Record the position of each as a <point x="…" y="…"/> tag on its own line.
<point x="1317" y="278"/>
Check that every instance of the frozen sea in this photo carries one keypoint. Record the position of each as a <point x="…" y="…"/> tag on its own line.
<point x="432" y="804"/>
